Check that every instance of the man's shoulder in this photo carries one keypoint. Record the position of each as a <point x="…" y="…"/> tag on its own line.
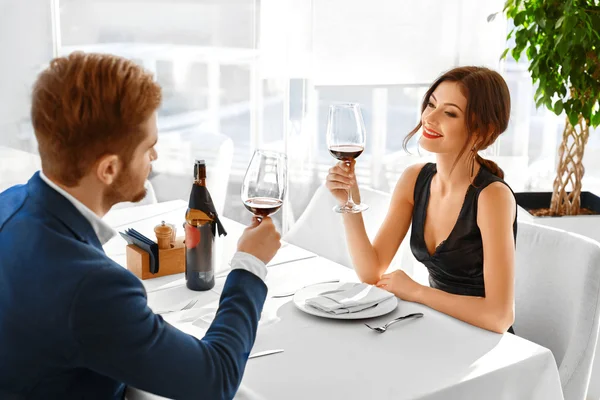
<point x="12" y="201"/>
<point x="33" y="239"/>
<point x="24" y="223"/>
<point x="20" y="212"/>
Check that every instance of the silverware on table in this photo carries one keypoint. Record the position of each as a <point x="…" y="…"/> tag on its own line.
<point x="384" y="328"/>
<point x="189" y="305"/>
<point x="265" y="353"/>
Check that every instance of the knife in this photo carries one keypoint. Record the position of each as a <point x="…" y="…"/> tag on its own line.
<point x="265" y="353"/>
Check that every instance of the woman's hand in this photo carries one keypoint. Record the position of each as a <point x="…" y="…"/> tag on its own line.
<point x="340" y="180"/>
<point x="401" y="285"/>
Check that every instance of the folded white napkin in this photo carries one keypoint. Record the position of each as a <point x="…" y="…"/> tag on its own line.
<point x="351" y="297"/>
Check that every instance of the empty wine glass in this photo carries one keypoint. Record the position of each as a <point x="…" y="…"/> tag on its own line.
<point x="346" y="135"/>
<point x="265" y="183"/>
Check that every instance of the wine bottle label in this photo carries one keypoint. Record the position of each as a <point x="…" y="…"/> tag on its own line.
<point x="201" y="276"/>
<point x="192" y="236"/>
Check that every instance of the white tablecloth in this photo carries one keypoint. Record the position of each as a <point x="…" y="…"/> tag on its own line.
<point x="434" y="357"/>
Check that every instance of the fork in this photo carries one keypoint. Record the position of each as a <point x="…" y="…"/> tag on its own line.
<point x="384" y="328"/>
<point x="189" y="305"/>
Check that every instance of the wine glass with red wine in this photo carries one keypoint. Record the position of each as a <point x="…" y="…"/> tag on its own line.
<point x="265" y="183"/>
<point x="346" y="140"/>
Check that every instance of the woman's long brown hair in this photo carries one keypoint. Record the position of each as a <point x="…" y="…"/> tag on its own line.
<point x="487" y="113"/>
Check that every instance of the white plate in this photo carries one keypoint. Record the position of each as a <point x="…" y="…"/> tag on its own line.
<point x="303" y="294"/>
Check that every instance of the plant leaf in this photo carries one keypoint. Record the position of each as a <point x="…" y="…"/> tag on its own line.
<point x="587" y="111"/>
<point x="570" y="23"/>
<point x="595" y="121"/>
<point x="540" y="18"/>
<point x="539" y="102"/>
<point x="516" y="54"/>
<point x="573" y="117"/>
<point x="561" y="40"/>
<point x="558" y="107"/>
<point x="531" y="52"/>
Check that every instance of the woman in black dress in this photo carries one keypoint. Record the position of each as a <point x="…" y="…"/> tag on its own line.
<point x="462" y="212"/>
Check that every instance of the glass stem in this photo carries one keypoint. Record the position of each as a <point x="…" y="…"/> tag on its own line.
<point x="350" y="201"/>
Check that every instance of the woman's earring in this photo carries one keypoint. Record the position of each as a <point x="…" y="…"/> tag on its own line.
<point x="473" y="161"/>
<point x="472" y="166"/>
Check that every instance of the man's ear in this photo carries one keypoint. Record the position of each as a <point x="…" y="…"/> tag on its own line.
<point x="107" y="168"/>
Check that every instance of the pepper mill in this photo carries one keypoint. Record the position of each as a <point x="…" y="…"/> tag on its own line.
<point x="163" y="235"/>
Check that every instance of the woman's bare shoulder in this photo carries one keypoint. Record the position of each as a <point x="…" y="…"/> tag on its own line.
<point x="405" y="187"/>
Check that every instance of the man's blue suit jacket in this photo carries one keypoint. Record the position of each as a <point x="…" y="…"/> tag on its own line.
<point x="76" y="325"/>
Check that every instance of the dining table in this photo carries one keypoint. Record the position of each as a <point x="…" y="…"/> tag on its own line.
<point x="433" y="357"/>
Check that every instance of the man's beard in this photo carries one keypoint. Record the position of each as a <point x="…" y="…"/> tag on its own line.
<point x="123" y="190"/>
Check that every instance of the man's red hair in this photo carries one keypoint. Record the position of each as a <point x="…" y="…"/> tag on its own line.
<point x="86" y="106"/>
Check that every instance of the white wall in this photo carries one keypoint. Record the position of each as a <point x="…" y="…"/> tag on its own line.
<point x="384" y="42"/>
<point x="25" y="48"/>
<point x="221" y="23"/>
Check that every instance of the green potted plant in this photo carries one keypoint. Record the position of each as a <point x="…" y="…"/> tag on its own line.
<point x="561" y="39"/>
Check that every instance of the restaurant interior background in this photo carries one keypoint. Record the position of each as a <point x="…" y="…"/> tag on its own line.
<point x="244" y="74"/>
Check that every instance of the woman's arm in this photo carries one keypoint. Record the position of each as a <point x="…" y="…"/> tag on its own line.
<point x="495" y="311"/>
<point x="372" y="260"/>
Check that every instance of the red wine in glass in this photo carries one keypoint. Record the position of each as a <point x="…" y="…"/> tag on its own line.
<point x="263" y="206"/>
<point x="265" y="183"/>
<point x="346" y="152"/>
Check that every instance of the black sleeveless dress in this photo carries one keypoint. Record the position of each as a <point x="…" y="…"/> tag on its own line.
<point x="456" y="266"/>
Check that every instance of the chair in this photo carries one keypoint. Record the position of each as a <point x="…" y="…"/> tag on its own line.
<point x="320" y="230"/>
<point x="173" y="169"/>
<point x="557" y="284"/>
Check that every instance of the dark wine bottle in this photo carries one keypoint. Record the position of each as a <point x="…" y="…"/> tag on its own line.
<point x="200" y="229"/>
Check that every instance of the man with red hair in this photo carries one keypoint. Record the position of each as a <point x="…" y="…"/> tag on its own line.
<point x="74" y="324"/>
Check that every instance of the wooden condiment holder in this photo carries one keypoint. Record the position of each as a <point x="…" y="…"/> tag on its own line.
<point x="170" y="261"/>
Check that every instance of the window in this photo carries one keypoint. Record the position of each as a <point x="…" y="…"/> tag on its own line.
<point x="243" y="74"/>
